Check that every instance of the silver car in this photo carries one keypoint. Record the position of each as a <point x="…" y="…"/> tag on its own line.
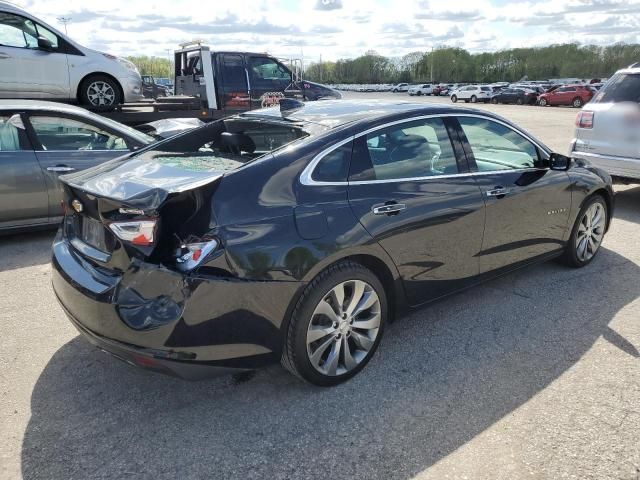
<point x="37" y="61"/>
<point x="608" y="127"/>
<point x="41" y="140"/>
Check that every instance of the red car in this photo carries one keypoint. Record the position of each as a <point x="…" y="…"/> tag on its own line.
<point x="574" y="95"/>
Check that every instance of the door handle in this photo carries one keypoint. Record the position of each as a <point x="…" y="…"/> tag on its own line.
<point x="497" y="192"/>
<point x="60" y="168"/>
<point x="4" y="55"/>
<point x="388" y="209"/>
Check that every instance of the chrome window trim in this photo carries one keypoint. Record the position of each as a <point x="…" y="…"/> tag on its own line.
<point x="305" y="176"/>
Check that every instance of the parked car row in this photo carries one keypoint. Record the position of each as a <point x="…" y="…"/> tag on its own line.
<point x="571" y="95"/>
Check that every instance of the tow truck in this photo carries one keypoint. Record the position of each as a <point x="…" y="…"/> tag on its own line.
<point x="213" y="84"/>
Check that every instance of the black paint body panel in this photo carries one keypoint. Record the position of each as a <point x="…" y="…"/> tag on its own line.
<point x="277" y="233"/>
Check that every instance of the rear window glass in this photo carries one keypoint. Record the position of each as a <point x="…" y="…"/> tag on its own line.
<point x="223" y="145"/>
<point x="623" y="87"/>
<point x="485" y="89"/>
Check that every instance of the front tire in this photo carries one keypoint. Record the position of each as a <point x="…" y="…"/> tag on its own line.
<point x="474" y="99"/>
<point x="577" y="102"/>
<point x="336" y="325"/>
<point x="494" y="101"/>
<point x="519" y="101"/>
<point x="454" y="99"/>
<point x="588" y="233"/>
<point x="100" y="93"/>
<point x="542" y="102"/>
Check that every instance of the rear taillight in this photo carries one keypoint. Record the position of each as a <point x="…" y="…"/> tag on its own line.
<point x="138" y="233"/>
<point x="584" y="119"/>
<point x="190" y="255"/>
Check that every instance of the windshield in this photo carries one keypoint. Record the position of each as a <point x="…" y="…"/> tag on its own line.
<point x="223" y="145"/>
<point x="623" y="87"/>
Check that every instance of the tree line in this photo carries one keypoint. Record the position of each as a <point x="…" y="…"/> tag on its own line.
<point x="156" y="66"/>
<point x="450" y="64"/>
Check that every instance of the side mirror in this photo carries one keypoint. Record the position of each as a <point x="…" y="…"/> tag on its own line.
<point x="559" y="162"/>
<point x="45" y="43"/>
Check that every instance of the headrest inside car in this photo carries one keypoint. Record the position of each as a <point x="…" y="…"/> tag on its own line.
<point x="238" y="141"/>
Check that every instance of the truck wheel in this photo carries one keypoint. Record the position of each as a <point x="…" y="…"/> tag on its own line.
<point x="100" y="93"/>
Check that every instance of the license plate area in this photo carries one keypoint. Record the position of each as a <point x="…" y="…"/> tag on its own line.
<point x="93" y="234"/>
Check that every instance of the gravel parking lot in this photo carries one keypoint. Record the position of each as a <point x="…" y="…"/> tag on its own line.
<point x="535" y="375"/>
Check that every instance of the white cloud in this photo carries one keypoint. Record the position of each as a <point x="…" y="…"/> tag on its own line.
<point x="339" y="28"/>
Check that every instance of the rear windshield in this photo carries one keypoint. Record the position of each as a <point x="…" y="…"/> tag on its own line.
<point x="485" y="89"/>
<point x="623" y="87"/>
<point x="223" y="145"/>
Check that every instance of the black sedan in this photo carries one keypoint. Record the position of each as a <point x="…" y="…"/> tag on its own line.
<point x="297" y="233"/>
<point x="514" y="95"/>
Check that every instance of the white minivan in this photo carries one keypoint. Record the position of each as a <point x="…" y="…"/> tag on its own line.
<point x="37" y="61"/>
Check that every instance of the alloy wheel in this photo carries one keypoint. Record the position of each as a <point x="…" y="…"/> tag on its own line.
<point x="343" y="328"/>
<point x="590" y="232"/>
<point x="577" y="103"/>
<point x="101" y="94"/>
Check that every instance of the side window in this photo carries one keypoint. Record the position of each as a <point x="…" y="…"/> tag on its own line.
<point x="17" y="31"/>
<point x="334" y="167"/>
<point x="11" y="133"/>
<point x="497" y="147"/>
<point x="59" y="133"/>
<point x="264" y="68"/>
<point x="421" y="148"/>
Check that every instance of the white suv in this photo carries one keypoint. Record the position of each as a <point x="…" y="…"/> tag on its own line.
<point x="608" y="127"/>
<point x="472" y="93"/>
<point x="37" y="61"/>
<point x="424" y="89"/>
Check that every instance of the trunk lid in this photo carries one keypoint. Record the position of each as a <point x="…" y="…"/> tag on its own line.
<point x="177" y="200"/>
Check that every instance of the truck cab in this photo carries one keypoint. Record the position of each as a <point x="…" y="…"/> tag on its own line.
<point x="232" y="82"/>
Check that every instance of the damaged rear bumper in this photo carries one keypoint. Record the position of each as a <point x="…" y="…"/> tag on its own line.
<point x="189" y="326"/>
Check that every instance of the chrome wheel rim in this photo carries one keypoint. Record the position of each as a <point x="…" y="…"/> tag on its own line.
<point x="101" y="94"/>
<point x="576" y="103"/>
<point x="343" y="328"/>
<point x="590" y="232"/>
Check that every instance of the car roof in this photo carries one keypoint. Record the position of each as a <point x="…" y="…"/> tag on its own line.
<point x="10" y="104"/>
<point x="337" y="113"/>
<point x="12" y="8"/>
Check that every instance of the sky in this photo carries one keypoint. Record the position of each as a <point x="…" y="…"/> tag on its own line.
<point x="338" y="28"/>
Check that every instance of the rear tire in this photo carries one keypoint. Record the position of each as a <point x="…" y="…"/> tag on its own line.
<point x="494" y="101"/>
<point x="519" y="101"/>
<point x="577" y="102"/>
<point x="100" y="93"/>
<point x="325" y="325"/>
<point x="587" y="233"/>
<point x="474" y="99"/>
<point x="454" y="99"/>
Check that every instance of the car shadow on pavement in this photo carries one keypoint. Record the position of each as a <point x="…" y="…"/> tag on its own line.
<point x="443" y="375"/>
<point x="25" y="249"/>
